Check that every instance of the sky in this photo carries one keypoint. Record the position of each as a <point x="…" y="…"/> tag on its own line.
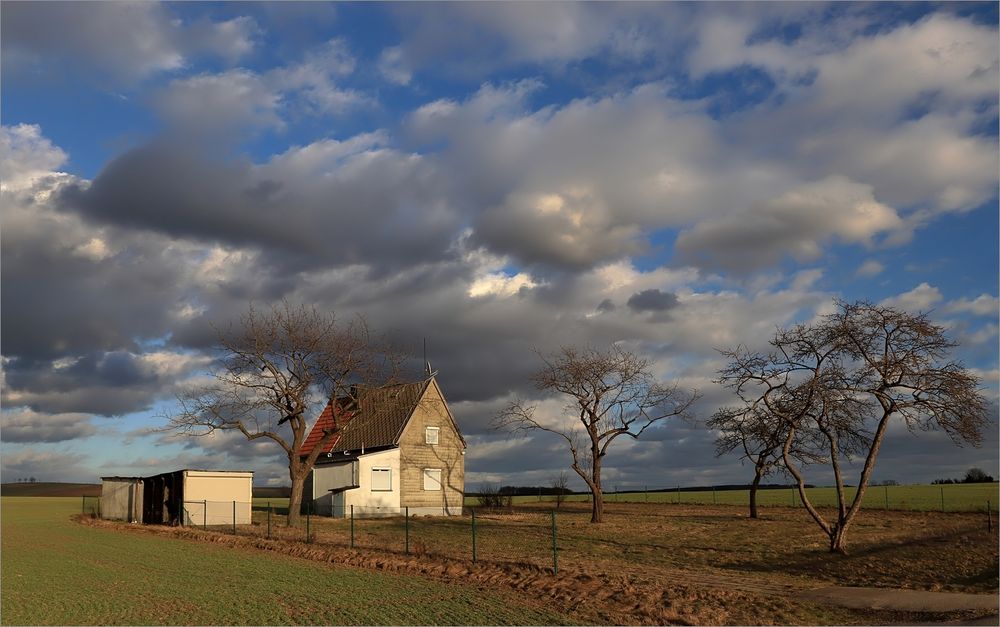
<point x="497" y="179"/>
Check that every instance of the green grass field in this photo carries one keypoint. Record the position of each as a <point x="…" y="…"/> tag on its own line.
<point x="57" y="572"/>
<point x="962" y="497"/>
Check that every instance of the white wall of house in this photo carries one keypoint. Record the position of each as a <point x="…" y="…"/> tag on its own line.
<point x="365" y="499"/>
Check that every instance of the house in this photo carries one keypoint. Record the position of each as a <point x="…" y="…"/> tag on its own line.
<point x="182" y="497"/>
<point x="398" y="447"/>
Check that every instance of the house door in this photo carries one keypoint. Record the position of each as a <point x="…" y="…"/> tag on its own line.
<point x="338" y="505"/>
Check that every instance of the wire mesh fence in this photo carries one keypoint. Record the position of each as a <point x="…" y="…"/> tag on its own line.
<point x="91" y="506"/>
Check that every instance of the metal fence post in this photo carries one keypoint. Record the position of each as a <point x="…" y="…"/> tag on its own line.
<point x="887" y="498"/>
<point x="678" y="495"/>
<point x="308" y="510"/>
<point x="269" y="521"/>
<point x="714" y="502"/>
<point x="204" y="514"/>
<point x="83" y="506"/>
<point x="645" y="493"/>
<point x="406" y="514"/>
<point x="555" y="556"/>
<point x="989" y="517"/>
<point x="234" y="518"/>
<point x="942" y="498"/>
<point x="352" y="526"/>
<point x="473" y="535"/>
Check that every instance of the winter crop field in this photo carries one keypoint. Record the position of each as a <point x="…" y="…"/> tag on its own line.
<point x="962" y="497"/>
<point x="649" y="563"/>
<point x="56" y="571"/>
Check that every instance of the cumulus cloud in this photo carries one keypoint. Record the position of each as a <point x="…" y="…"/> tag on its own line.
<point x="25" y="425"/>
<point x="652" y="300"/>
<point x="982" y="305"/>
<point x="796" y="224"/>
<point x="870" y="267"/>
<point x="125" y="41"/>
<point x="45" y="465"/>
<point x="324" y="203"/>
<point x="920" y="299"/>
<point x="25" y="156"/>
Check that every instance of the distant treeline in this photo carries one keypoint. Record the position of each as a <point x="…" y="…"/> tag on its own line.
<point x="973" y="475"/>
<point x="509" y="490"/>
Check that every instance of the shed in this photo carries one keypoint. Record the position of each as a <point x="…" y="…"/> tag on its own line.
<point x="182" y="497"/>
<point x="121" y="498"/>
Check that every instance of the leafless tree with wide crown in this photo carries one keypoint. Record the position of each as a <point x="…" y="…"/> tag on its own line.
<point x="833" y="386"/>
<point x="611" y="393"/>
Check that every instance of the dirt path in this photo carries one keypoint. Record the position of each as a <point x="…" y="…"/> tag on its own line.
<point x="901" y="600"/>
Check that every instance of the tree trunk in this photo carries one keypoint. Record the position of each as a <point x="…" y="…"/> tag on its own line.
<point x="295" y="498"/>
<point x="838" y="540"/>
<point x="753" y="493"/>
<point x="597" y="510"/>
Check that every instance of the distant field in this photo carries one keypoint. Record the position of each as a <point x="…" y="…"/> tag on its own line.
<point x="50" y="489"/>
<point x="962" y="497"/>
<point x="94" y="489"/>
<point x="57" y="572"/>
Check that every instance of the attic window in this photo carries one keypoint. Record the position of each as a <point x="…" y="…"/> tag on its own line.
<point x="431" y="435"/>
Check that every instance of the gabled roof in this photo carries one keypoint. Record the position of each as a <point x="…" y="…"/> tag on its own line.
<point x="376" y="421"/>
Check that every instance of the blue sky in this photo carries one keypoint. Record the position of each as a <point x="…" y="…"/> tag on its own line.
<point x="482" y="175"/>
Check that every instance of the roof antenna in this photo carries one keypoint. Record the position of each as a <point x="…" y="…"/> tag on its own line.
<point x="427" y="365"/>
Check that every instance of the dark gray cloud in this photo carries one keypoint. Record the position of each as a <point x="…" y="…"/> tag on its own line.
<point x="605" y="306"/>
<point x="652" y="300"/>
<point x="24" y="425"/>
<point x="102" y="383"/>
<point x="330" y="203"/>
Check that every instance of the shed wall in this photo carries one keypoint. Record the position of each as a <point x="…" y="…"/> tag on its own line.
<point x="121" y="499"/>
<point x="214" y="498"/>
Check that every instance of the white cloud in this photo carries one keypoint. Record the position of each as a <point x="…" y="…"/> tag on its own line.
<point x="919" y="299"/>
<point x="392" y="65"/>
<point x="870" y="267"/>
<point x="982" y="305"/>
<point x="500" y="284"/>
<point x="231" y="100"/>
<point x="25" y="156"/>
<point x="126" y="41"/>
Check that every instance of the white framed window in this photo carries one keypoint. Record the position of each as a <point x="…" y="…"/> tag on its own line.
<point x="432" y="479"/>
<point x="381" y="479"/>
<point x="431" y="435"/>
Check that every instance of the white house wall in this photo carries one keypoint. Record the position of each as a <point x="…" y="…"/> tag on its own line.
<point x="366" y="501"/>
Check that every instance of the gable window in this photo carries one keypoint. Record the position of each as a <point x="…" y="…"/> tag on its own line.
<point x="432" y="479"/>
<point x="431" y="435"/>
<point x="381" y="479"/>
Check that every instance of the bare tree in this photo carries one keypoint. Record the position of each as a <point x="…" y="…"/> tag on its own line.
<point x="756" y="435"/>
<point x="834" y="386"/>
<point x="560" y="486"/>
<point x="276" y="369"/>
<point x="611" y="393"/>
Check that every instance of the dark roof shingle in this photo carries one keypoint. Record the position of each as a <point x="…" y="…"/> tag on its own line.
<point x="376" y="421"/>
